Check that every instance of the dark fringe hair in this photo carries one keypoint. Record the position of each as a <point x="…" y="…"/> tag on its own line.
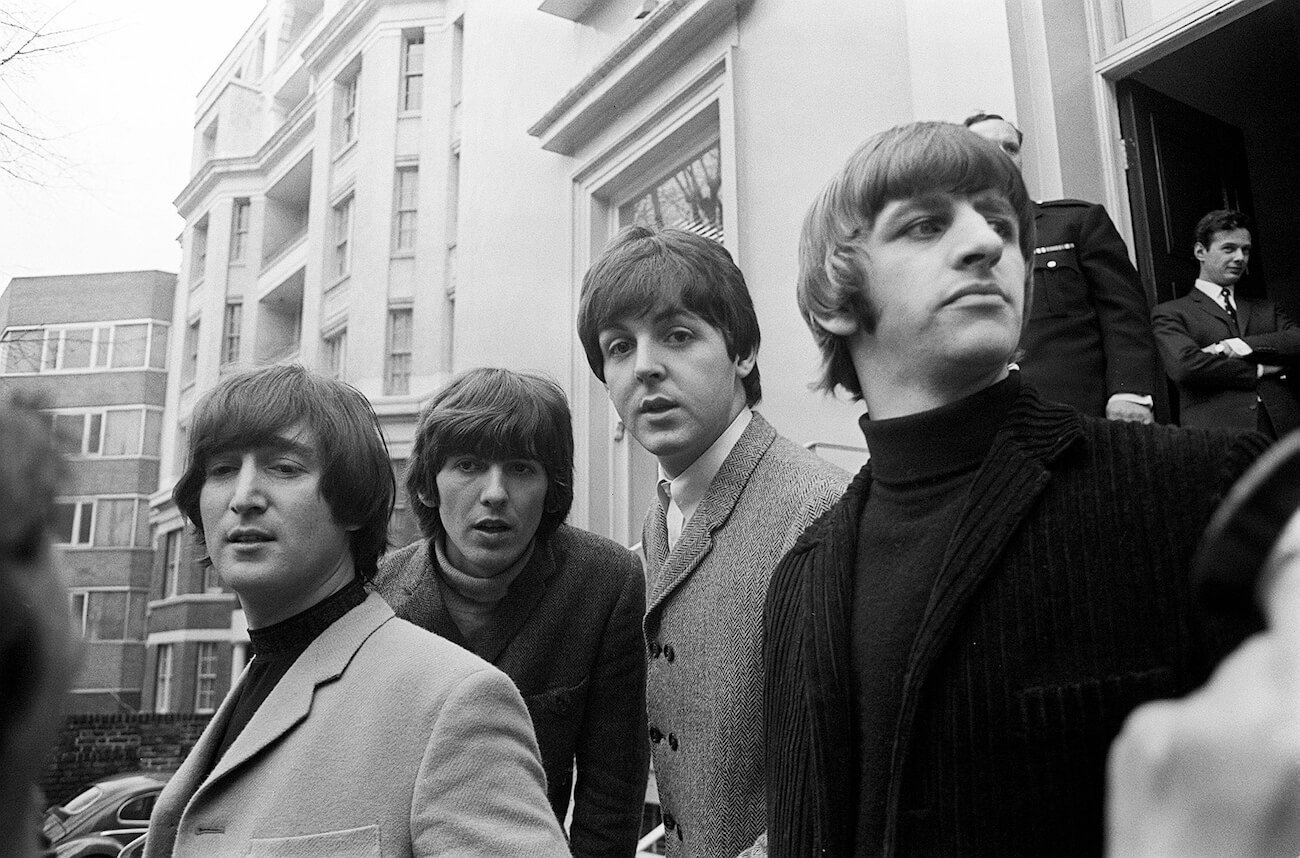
<point x="253" y="408"/>
<point x="1219" y="220"/>
<point x="495" y="414"/>
<point x="644" y="270"/>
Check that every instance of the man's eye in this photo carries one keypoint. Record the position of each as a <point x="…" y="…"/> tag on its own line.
<point x="220" y="469"/>
<point x="1003" y="227"/>
<point x="286" y="467"/>
<point x="924" y="228"/>
<point x="466" y="465"/>
<point x="679" y="336"/>
<point x="618" y="348"/>
<point x="523" y="468"/>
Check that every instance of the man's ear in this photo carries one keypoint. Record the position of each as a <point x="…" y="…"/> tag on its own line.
<point x="424" y="499"/>
<point x="837" y="323"/>
<point x="745" y="365"/>
<point x="1199" y="251"/>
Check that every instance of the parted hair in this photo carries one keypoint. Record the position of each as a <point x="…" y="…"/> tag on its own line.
<point x="898" y="164"/>
<point x="977" y="118"/>
<point x="251" y="409"/>
<point x="1219" y="220"/>
<point x="495" y="414"/>
<point x="644" y="269"/>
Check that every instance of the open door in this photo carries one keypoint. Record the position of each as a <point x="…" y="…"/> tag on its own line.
<point x="1182" y="163"/>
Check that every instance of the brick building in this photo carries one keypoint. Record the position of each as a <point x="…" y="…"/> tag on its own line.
<point x="94" y="348"/>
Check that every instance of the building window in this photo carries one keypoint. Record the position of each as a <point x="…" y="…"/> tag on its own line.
<point x="108" y="432"/>
<point x="108" y="615"/>
<point x="239" y="230"/>
<point x="230" y="333"/>
<point x="78" y="434"/>
<point x="122" y="432"/>
<point x="397" y="365"/>
<point x="210" y="140"/>
<point x="211" y="580"/>
<point x="687" y="197"/>
<point x="336" y="353"/>
<point x="190" y="369"/>
<point x="199" y="250"/>
<point x="162" y="687"/>
<point x="412" y="70"/>
<point x="342" y="237"/>
<point x="347" y="92"/>
<point x="406" y="199"/>
<point x="72" y="522"/>
<point x="172" y="563"/>
<point x="205" y="679"/>
<point x="84" y="348"/>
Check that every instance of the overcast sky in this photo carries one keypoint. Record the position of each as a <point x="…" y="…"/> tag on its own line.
<point x="119" y="108"/>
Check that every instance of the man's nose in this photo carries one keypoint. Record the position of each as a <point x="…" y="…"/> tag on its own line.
<point x="979" y="243"/>
<point x="248" y="494"/>
<point x="649" y="363"/>
<point x="494" y="490"/>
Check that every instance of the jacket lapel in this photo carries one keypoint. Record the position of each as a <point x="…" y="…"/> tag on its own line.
<point x="1012" y="477"/>
<point x="290" y="701"/>
<point x="696" y="540"/>
<point x="1244" y="315"/>
<point x="1209" y="305"/>
<point x="417" y="597"/>
<point x="517" y="605"/>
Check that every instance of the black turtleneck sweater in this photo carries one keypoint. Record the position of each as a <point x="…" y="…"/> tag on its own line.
<point x="922" y="466"/>
<point x="275" y="649"/>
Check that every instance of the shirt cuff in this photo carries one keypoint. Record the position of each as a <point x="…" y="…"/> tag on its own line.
<point x="1135" y="398"/>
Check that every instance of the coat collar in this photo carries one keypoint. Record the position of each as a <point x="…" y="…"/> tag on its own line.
<point x="1210" y="306"/>
<point x="1018" y="467"/>
<point x="669" y="569"/>
<point x="412" y="585"/>
<point x="289" y="703"/>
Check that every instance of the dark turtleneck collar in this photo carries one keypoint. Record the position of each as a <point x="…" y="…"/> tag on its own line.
<point x="295" y="633"/>
<point x="940" y="442"/>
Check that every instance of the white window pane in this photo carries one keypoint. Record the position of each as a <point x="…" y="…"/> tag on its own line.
<point x="122" y="433"/>
<point x="23" y="351"/>
<point x="63" y="523"/>
<point x="115" y="522"/>
<point x="68" y="433"/>
<point x="158" y="350"/>
<point x="77" y="347"/>
<point x="106" y="615"/>
<point x="103" y="341"/>
<point x="94" y="429"/>
<point x="129" y="345"/>
<point x="152" y="433"/>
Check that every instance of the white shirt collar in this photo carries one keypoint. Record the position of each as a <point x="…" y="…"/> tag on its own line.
<point x="1215" y="291"/>
<point x="688" y="488"/>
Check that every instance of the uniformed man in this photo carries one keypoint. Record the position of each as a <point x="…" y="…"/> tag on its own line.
<point x="1088" y="343"/>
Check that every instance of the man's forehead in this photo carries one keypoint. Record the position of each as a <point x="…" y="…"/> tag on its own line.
<point x="1238" y="236"/>
<point x="988" y="198"/>
<point x="297" y="438"/>
<point x="660" y="313"/>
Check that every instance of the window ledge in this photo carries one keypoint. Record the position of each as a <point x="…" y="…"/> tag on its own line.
<point x="346" y="148"/>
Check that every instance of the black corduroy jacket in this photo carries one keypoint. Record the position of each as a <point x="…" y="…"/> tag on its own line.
<point x="1064" y="600"/>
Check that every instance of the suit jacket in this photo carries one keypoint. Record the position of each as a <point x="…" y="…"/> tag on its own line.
<point x="1088" y="335"/>
<point x="382" y="739"/>
<point x="568" y="633"/>
<point x="1220" y="391"/>
<point x="704" y="633"/>
<point x="1062" y="602"/>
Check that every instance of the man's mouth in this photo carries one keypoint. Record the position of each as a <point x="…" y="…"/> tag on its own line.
<point x="657" y="405"/>
<point x="248" y="535"/>
<point x="492" y="526"/>
<point x="986" y="290"/>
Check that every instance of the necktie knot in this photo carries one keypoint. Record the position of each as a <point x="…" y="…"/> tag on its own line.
<point x="1226" y="294"/>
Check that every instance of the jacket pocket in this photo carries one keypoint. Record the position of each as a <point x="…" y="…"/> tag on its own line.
<point x="557" y="716"/>
<point x="1060" y="288"/>
<point x="349" y="843"/>
<point x="1067" y="732"/>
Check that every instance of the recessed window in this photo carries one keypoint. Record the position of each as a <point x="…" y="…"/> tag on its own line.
<point x="172" y="563"/>
<point x="230" y="332"/>
<point x="205" y="678"/>
<point x="336" y="353"/>
<point x="406" y="201"/>
<point x="397" y="363"/>
<point x="108" y="614"/>
<point x="190" y="369"/>
<point x="239" y="229"/>
<point x="72" y="522"/>
<point x="84" y="348"/>
<point x="342" y="262"/>
<point x="412" y="70"/>
<point x="162" y="687"/>
<point x="199" y="250"/>
<point x="687" y="197"/>
<point x="347" y="89"/>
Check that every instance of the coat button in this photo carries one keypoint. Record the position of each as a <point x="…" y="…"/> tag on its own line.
<point x="669" y="652"/>
<point x="669" y="821"/>
<point x="672" y="741"/>
<point x="655" y="649"/>
<point x="655" y="735"/>
<point x="1051" y="263"/>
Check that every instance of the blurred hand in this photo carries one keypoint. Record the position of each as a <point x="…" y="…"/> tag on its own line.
<point x="1132" y="412"/>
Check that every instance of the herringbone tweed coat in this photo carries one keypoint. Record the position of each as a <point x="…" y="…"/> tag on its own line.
<point x="704" y="633"/>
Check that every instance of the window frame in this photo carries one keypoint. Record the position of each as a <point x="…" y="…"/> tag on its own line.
<point x="81" y="616"/>
<point x="172" y="551"/>
<point x="240" y="213"/>
<point x="190" y="364"/>
<point x="341" y="255"/>
<point x="406" y="208"/>
<point x="162" y="686"/>
<point x="348" y="97"/>
<point x="230" y="331"/>
<point x="412" y="91"/>
<point x="51" y="341"/>
<point x="199" y="250"/>
<point x="205" y="681"/>
<point x="336" y="353"/>
<point x="398" y="356"/>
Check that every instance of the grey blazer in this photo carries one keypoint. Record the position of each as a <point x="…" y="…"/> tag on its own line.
<point x="704" y="636"/>
<point x="383" y="740"/>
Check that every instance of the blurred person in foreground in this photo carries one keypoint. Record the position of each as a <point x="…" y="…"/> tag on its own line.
<point x="351" y="731"/>
<point x="952" y="648"/>
<point x="36" y="646"/>
<point x="1218" y="772"/>
<point x="558" y="609"/>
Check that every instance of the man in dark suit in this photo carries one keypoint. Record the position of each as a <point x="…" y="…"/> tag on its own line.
<point x="1088" y="342"/>
<point x="1228" y="354"/>
<point x="951" y="649"/>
